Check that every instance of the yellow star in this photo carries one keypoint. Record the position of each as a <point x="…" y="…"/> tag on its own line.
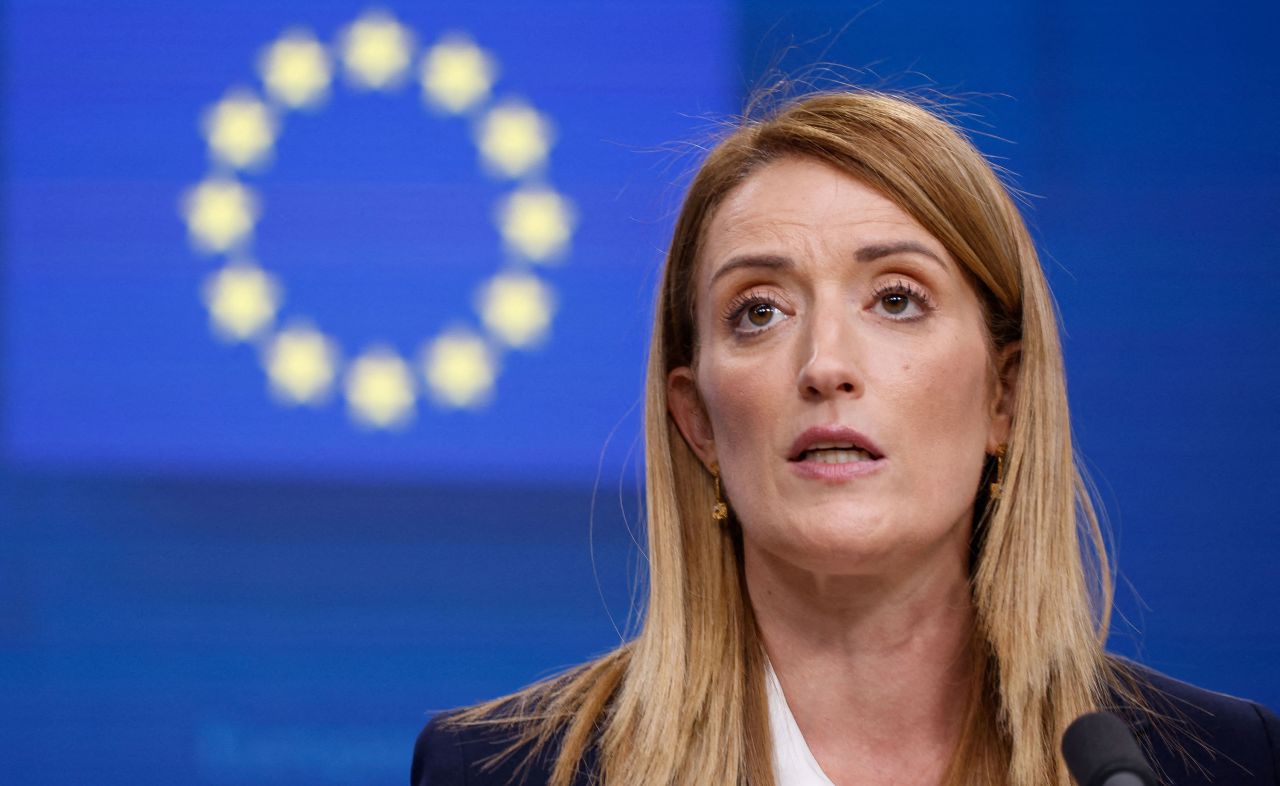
<point x="242" y="300"/>
<point x="536" y="223"/>
<point x="457" y="74"/>
<point x="300" y="362"/>
<point x="460" y="369"/>
<point x="220" y="214"/>
<point x="240" y="129"/>
<point x="376" y="50"/>
<point x="513" y="139"/>
<point x="379" y="389"/>
<point x="517" y="307"/>
<point x="295" y="69"/>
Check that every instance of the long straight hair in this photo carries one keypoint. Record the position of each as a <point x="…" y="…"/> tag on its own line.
<point x="684" y="701"/>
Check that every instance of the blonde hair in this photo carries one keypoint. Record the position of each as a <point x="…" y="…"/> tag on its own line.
<point x="684" y="702"/>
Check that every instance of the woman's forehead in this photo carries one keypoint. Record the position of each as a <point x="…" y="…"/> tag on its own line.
<point x="797" y="202"/>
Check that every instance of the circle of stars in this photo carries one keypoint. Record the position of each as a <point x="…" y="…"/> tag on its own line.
<point x="303" y="365"/>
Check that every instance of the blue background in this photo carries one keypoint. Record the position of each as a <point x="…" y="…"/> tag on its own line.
<point x="198" y="585"/>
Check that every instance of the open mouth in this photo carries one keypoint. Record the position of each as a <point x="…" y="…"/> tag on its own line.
<point x="834" y="449"/>
<point x="835" y="454"/>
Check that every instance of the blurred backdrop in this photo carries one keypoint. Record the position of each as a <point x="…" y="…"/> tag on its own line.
<point x="324" y="327"/>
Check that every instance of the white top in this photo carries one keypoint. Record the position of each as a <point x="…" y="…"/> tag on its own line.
<point x="793" y="762"/>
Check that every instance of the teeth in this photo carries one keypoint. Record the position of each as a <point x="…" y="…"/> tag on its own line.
<point x="836" y="455"/>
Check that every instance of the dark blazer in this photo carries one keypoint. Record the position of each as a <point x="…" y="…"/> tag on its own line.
<point x="1211" y="739"/>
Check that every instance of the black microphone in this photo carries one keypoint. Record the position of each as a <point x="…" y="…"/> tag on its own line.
<point x="1101" y="751"/>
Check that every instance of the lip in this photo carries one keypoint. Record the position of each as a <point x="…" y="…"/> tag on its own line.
<point x="820" y="434"/>
<point x="834" y="472"/>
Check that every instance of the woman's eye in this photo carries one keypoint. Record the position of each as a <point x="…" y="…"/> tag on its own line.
<point x="758" y="316"/>
<point x="903" y="301"/>
<point x="896" y="303"/>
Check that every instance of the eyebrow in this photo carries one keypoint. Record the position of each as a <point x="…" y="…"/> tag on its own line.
<point x="865" y="254"/>
<point x="766" y="261"/>
<point x="878" y="251"/>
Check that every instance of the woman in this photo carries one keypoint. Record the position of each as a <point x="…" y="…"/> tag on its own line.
<point x="865" y="562"/>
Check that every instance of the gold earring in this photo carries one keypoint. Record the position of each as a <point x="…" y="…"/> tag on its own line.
<point x="719" y="511"/>
<point x="997" y="488"/>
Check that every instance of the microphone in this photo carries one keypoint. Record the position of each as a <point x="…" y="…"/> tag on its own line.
<point x="1101" y="751"/>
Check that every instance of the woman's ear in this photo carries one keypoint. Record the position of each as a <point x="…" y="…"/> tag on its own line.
<point x="1008" y="366"/>
<point x="686" y="407"/>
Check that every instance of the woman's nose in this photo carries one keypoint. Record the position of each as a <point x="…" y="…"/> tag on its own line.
<point x="829" y="366"/>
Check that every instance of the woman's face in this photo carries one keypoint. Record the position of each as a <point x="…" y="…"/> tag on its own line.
<point x="843" y="382"/>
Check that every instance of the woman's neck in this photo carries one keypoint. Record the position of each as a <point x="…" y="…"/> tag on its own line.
<point x="876" y="669"/>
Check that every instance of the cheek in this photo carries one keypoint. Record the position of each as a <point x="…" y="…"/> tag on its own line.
<point x="738" y="401"/>
<point x="943" y="412"/>
<point x="954" y="393"/>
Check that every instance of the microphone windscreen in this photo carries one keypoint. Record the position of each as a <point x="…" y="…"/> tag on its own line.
<point x="1098" y="746"/>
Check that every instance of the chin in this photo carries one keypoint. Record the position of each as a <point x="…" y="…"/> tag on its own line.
<point x="842" y="544"/>
<point x="852" y="543"/>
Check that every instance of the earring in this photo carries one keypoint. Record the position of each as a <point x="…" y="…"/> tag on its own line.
<point x="997" y="488"/>
<point x="719" y="511"/>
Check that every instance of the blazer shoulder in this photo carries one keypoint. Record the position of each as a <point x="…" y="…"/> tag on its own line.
<point x="489" y="753"/>
<point x="1197" y="736"/>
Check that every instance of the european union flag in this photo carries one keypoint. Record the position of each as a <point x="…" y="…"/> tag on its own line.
<point x="335" y="239"/>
